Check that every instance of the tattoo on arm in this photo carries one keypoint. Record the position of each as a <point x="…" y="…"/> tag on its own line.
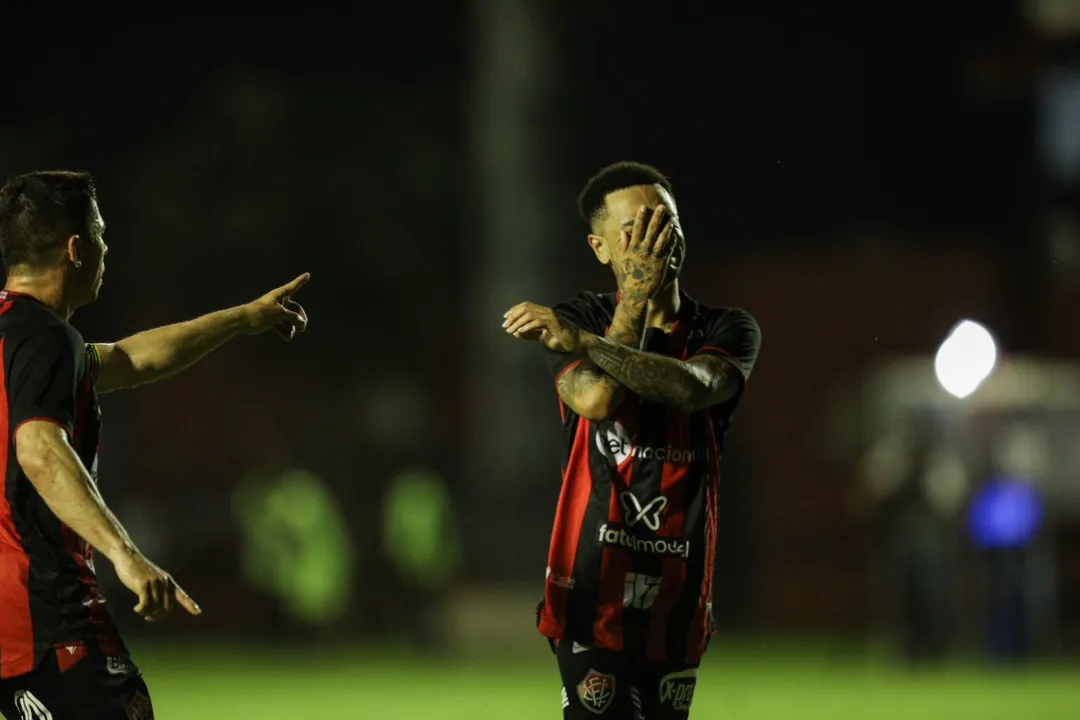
<point x="628" y="324"/>
<point x="688" y="386"/>
<point x="586" y="377"/>
<point x="626" y="329"/>
<point x="630" y="270"/>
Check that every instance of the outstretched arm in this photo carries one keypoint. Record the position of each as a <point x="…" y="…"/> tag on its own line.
<point x="156" y="354"/>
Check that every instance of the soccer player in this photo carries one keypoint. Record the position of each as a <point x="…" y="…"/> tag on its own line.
<point x="647" y="380"/>
<point x="61" y="657"/>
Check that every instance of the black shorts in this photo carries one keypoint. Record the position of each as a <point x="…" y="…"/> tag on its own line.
<point x="618" y="686"/>
<point x="76" y="683"/>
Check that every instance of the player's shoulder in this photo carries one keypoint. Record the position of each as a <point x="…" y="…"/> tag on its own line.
<point x="26" y="325"/>
<point x="589" y="308"/>
<point x="715" y="315"/>
<point x="592" y="300"/>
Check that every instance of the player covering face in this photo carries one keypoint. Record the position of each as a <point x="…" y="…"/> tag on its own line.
<point x="61" y="656"/>
<point x="647" y="379"/>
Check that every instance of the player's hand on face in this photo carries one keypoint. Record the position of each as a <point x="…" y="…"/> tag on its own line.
<point x="157" y="591"/>
<point x="529" y="321"/>
<point x="277" y="311"/>
<point x="644" y="254"/>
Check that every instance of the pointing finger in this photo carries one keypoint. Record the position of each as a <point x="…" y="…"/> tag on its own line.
<point x="288" y="290"/>
<point x="187" y="602"/>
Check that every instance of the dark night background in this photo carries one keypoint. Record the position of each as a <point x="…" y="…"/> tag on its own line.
<point x="859" y="179"/>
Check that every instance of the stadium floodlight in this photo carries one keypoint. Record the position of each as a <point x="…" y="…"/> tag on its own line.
<point x="965" y="359"/>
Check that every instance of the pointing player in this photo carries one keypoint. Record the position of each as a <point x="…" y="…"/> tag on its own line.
<point x="648" y="380"/>
<point x="61" y="656"/>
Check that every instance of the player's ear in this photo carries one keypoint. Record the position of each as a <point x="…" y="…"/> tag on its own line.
<point x="73" y="250"/>
<point x="599" y="248"/>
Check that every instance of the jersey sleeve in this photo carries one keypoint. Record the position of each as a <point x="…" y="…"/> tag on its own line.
<point x="43" y="371"/>
<point x="734" y="335"/>
<point x="584" y="311"/>
<point x="92" y="361"/>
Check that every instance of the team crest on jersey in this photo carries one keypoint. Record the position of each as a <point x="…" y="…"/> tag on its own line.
<point x="597" y="691"/>
<point x="139" y="708"/>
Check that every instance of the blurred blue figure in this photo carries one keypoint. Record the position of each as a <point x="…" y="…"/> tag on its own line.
<point x="1004" y="519"/>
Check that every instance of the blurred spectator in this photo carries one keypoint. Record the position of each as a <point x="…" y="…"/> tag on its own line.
<point x="917" y="486"/>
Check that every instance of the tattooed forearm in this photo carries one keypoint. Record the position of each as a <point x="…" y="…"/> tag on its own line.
<point x="628" y="324"/>
<point x="630" y="270"/>
<point x="590" y="392"/>
<point x="626" y="329"/>
<point x="685" y="386"/>
<point x="587" y="389"/>
<point x="583" y="379"/>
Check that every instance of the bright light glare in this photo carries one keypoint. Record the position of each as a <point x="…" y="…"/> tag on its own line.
<point x="965" y="359"/>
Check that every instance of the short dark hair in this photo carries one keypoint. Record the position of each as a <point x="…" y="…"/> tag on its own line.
<point x="39" y="211"/>
<point x="615" y="177"/>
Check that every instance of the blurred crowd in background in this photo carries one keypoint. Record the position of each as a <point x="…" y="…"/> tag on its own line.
<point x="859" y="182"/>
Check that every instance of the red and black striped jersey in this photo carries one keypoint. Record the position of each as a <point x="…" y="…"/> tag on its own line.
<point x="632" y="551"/>
<point x="48" y="590"/>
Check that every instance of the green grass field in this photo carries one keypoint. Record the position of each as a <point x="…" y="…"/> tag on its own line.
<point x="747" y="683"/>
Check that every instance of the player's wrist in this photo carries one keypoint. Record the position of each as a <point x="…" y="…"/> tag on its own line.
<point x="119" y="551"/>
<point x="590" y="342"/>
<point x="585" y="341"/>
<point x="244" y="319"/>
<point x="629" y="318"/>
